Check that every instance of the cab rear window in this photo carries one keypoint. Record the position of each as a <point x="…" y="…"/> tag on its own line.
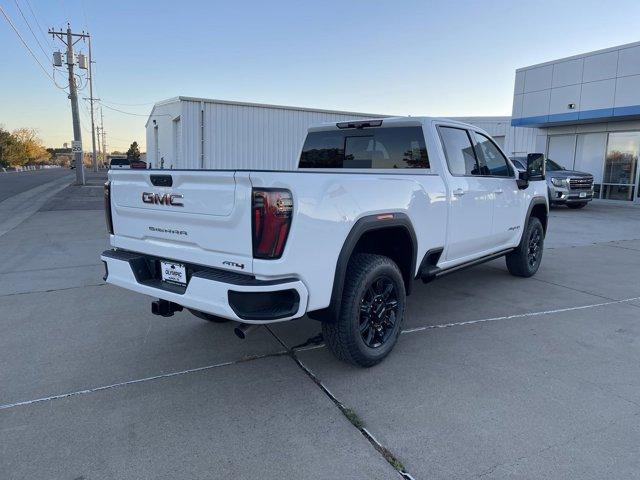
<point x="377" y="148"/>
<point x="119" y="161"/>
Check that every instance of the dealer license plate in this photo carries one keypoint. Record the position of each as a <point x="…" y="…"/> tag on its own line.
<point x="172" y="272"/>
<point x="583" y="194"/>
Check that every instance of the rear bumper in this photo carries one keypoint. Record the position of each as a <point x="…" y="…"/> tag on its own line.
<point x="226" y="294"/>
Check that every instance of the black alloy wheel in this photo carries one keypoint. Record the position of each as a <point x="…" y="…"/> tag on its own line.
<point x="378" y="312"/>
<point x="525" y="260"/>
<point x="533" y="252"/>
<point x="371" y="312"/>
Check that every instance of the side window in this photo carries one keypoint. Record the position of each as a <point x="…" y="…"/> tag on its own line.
<point x="491" y="160"/>
<point x="459" y="151"/>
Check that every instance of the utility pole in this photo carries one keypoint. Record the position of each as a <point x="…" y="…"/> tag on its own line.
<point x="104" y="139"/>
<point x="93" y="128"/>
<point x="99" y="144"/>
<point x="68" y="39"/>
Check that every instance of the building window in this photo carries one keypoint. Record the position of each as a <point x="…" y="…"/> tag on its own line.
<point x="590" y="152"/>
<point x="620" y="179"/>
<point x="562" y="150"/>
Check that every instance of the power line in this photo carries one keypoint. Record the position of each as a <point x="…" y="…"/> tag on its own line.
<point x="95" y="84"/>
<point x="82" y="124"/>
<point x="134" y="114"/>
<point x="25" y="43"/>
<point x="130" y="104"/>
<point x="122" y="139"/>
<point x="35" y="17"/>
<point x="56" y="83"/>
<point x="86" y="81"/>
<point x="85" y="110"/>
<point x="46" y="55"/>
<point x="84" y="14"/>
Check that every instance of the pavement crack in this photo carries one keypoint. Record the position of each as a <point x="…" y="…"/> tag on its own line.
<point x="624" y="248"/>
<point x="348" y="413"/>
<point x="586" y="292"/>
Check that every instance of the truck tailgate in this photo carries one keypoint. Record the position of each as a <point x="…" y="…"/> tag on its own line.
<point x="200" y="217"/>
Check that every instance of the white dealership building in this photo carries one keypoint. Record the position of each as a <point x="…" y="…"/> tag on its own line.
<point x="585" y="112"/>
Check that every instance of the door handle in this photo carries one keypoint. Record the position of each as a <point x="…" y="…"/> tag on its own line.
<point x="458" y="192"/>
<point x="498" y="191"/>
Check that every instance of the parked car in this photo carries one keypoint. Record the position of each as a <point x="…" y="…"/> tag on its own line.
<point x="566" y="187"/>
<point x="139" y="164"/>
<point x="119" y="163"/>
<point x="372" y="206"/>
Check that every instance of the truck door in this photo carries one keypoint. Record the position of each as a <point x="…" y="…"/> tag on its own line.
<point x="469" y="197"/>
<point x="508" y="200"/>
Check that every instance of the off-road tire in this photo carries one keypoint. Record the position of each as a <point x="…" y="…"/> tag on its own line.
<point x="519" y="262"/>
<point x="343" y="337"/>
<point x="208" y="317"/>
<point x="575" y="206"/>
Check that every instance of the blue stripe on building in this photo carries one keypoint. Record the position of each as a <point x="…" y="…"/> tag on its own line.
<point x="600" y="114"/>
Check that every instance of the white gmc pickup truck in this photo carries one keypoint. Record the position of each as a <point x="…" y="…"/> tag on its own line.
<point x="373" y="206"/>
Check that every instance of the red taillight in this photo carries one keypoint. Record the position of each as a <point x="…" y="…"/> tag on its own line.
<point x="271" y="212"/>
<point x="107" y="206"/>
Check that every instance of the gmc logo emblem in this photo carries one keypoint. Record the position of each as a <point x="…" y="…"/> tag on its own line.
<point x="172" y="199"/>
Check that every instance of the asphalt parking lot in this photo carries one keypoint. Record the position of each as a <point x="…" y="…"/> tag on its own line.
<point x="495" y="376"/>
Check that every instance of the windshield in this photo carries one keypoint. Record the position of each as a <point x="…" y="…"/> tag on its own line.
<point x="553" y="166"/>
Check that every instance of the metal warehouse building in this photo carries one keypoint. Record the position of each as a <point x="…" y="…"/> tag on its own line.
<point x="186" y="132"/>
<point x="585" y="114"/>
<point x="199" y="133"/>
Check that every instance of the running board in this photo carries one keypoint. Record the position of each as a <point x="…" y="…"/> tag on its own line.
<point x="431" y="272"/>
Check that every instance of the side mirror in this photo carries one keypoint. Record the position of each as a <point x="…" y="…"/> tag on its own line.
<point x="536" y="167"/>
<point x="536" y="170"/>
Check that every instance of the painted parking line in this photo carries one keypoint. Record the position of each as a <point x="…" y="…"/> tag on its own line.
<point x="311" y="347"/>
<point x="139" y="380"/>
<point x="520" y="315"/>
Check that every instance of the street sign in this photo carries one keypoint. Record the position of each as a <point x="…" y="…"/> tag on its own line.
<point x="76" y="146"/>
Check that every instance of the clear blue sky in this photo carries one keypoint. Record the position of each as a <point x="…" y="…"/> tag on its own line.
<point x="452" y="58"/>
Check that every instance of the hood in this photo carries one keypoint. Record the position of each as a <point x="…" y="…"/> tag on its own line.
<point x="567" y="174"/>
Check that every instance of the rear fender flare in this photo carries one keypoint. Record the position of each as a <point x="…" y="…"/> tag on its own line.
<point x="363" y="225"/>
